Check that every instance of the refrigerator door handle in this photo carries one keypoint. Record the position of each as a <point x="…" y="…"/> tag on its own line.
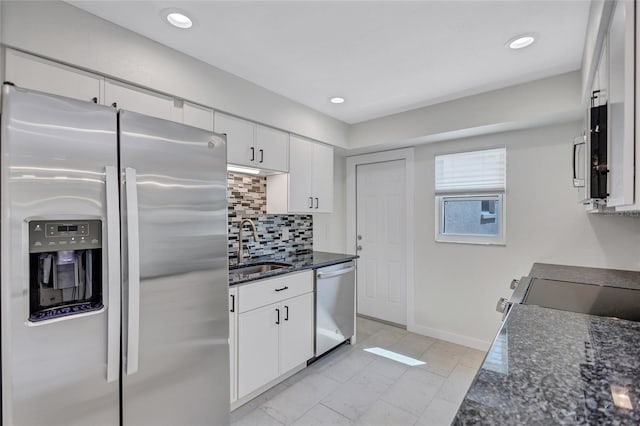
<point x="133" y="275"/>
<point x="113" y="259"/>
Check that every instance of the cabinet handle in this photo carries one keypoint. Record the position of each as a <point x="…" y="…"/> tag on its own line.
<point x="310" y="202"/>
<point x="575" y="147"/>
<point x="94" y="100"/>
<point x="317" y="203"/>
<point x="262" y="155"/>
<point x="253" y="154"/>
<point x="115" y="105"/>
<point x="286" y="313"/>
<point x="283" y="288"/>
<point x="278" y="320"/>
<point x="233" y="303"/>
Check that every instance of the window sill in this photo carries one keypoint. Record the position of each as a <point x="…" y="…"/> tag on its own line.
<point x="477" y="243"/>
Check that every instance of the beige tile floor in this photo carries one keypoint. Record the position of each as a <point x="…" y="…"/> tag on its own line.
<point x="352" y="387"/>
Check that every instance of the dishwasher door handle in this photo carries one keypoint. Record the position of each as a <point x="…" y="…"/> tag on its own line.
<point x="332" y="274"/>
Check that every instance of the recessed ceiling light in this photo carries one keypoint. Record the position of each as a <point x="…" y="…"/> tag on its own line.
<point x="179" y="20"/>
<point x="521" y="41"/>
<point x="336" y="100"/>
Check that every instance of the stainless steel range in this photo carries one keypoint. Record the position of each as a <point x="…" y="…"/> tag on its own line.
<point x="594" y="291"/>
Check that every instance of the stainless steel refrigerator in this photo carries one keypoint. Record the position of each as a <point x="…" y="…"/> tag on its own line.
<point x="114" y="306"/>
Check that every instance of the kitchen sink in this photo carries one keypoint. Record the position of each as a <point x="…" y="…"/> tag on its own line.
<point x="259" y="268"/>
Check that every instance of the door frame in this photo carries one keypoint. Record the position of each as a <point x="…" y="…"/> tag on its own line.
<point x="406" y="154"/>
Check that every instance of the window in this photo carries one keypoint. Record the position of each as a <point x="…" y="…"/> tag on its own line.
<point x="470" y="189"/>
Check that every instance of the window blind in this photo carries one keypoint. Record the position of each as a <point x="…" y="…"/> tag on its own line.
<point x="471" y="171"/>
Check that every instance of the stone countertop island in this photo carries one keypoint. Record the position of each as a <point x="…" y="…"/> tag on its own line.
<point x="550" y="367"/>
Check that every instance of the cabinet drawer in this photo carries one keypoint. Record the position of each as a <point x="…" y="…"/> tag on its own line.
<point x="273" y="290"/>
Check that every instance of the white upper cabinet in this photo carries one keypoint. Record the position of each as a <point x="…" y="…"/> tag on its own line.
<point x="197" y="116"/>
<point x="300" y="186"/>
<point x="131" y="98"/>
<point x="39" y="74"/>
<point x="240" y="136"/>
<point x="636" y="183"/>
<point x="615" y="86"/>
<point x="621" y="98"/>
<point x="253" y="145"/>
<point x="272" y="149"/>
<point x="322" y="178"/>
<point x="308" y="188"/>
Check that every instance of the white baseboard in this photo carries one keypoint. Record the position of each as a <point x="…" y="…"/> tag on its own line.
<point x="459" y="339"/>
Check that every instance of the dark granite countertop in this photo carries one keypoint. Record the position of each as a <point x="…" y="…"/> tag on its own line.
<point x="550" y="367"/>
<point x="298" y="262"/>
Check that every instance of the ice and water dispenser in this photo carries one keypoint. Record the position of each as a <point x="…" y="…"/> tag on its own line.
<point x="65" y="268"/>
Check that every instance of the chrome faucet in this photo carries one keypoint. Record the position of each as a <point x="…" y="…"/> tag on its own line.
<point x="255" y="237"/>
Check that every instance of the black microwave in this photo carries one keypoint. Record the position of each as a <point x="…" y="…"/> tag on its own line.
<point x="598" y="164"/>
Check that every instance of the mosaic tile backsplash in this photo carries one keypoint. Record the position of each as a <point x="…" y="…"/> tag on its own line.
<point x="248" y="200"/>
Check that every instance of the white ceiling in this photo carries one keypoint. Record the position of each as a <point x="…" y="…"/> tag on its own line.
<point x="384" y="57"/>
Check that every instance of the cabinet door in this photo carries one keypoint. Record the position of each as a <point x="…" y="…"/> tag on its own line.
<point x="300" y="198"/>
<point x="39" y="74"/>
<point x="197" y="116"/>
<point x="140" y="100"/>
<point x="257" y="348"/>
<point x="272" y="149"/>
<point x="621" y="140"/>
<point x="296" y="332"/>
<point x="322" y="178"/>
<point x="233" y="326"/>
<point x="240" y="137"/>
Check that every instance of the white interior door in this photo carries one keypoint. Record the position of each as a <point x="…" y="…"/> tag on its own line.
<point x="381" y="215"/>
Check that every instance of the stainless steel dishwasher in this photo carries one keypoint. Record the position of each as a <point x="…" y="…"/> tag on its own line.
<point x="335" y="305"/>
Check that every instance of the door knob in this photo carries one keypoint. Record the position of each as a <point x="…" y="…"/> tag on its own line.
<point x="359" y="237"/>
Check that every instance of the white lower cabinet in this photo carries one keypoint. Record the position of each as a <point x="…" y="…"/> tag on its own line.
<point x="296" y="332"/>
<point x="275" y="338"/>
<point x="257" y="348"/>
<point x="233" y="340"/>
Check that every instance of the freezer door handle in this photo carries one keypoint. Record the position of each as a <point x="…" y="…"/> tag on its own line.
<point x="133" y="276"/>
<point x="113" y="265"/>
<point x="335" y="273"/>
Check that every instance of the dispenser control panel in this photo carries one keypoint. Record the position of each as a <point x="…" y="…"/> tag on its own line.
<point x="65" y="268"/>
<point x="46" y="236"/>
<point x="67" y="229"/>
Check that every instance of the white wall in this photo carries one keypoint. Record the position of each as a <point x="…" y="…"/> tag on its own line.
<point x="58" y="31"/>
<point x="549" y="100"/>
<point x="329" y="228"/>
<point x="457" y="285"/>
